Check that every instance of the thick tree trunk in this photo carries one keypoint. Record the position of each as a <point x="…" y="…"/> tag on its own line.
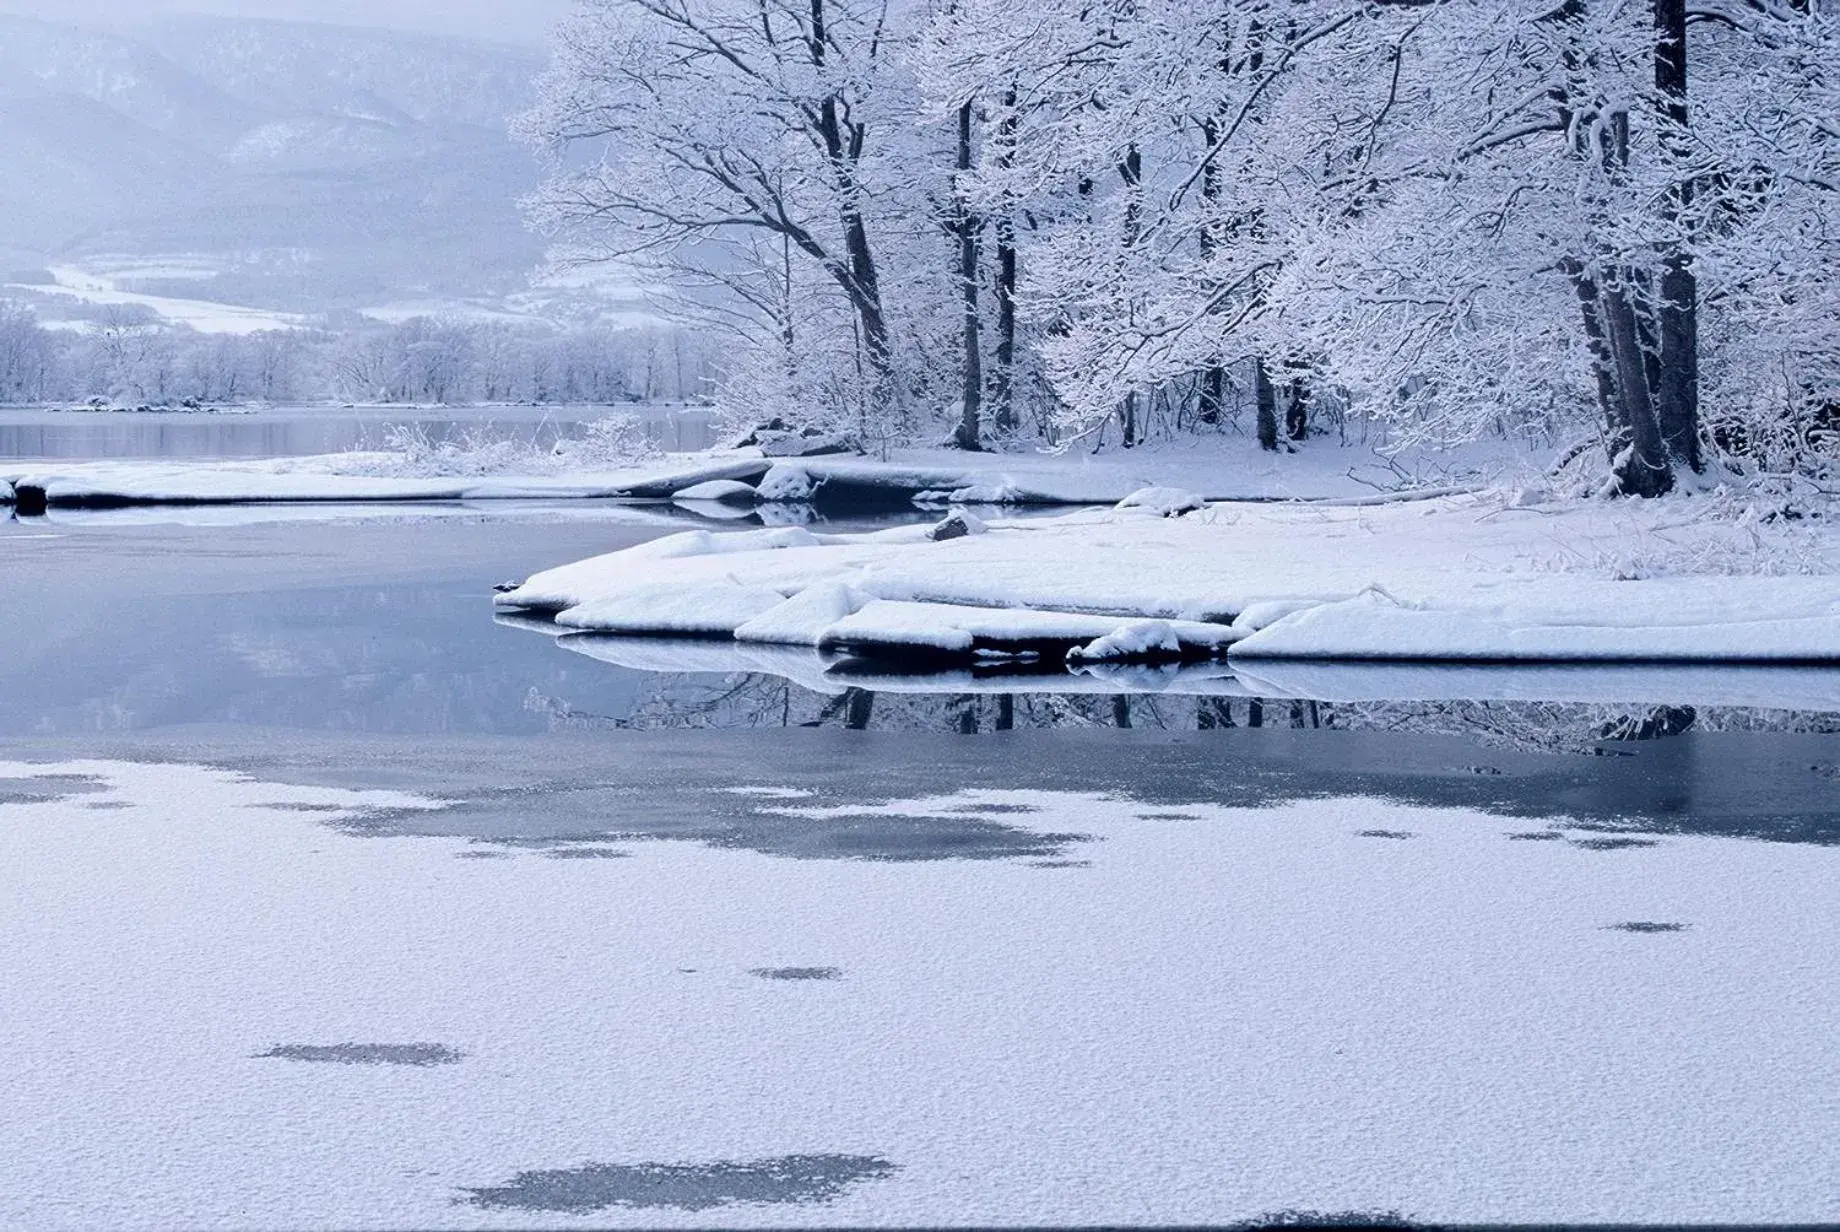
<point x="1598" y="343"/>
<point x="972" y="408"/>
<point x="1643" y="469"/>
<point x="1677" y="392"/>
<point x="1267" y="403"/>
<point x="1213" y="394"/>
<point x="864" y="287"/>
<point x="1003" y="381"/>
<point x="1297" y="411"/>
<point x="1626" y="349"/>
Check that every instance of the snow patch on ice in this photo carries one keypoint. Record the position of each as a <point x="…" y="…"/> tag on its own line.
<point x="1164" y="502"/>
<point x="1146" y="639"/>
<point x="785" y="484"/>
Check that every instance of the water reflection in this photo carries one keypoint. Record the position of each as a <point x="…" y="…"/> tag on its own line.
<point x="383" y="629"/>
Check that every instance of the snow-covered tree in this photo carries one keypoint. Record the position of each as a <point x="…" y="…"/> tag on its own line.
<point x="753" y="149"/>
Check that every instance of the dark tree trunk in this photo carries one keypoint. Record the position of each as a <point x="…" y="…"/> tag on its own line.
<point x="1297" y="411"/>
<point x="1003" y="381"/>
<point x="860" y="705"/>
<point x="864" y="286"/>
<point x="843" y="146"/>
<point x="1213" y="377"/>
<point x="1268" y="406"/>
<point x="1677" y="392"/>
<point x="1643" y="469"/>
<point x="1213" y="394"/>
<point x="1006" y="712"/>
<point x="1213" y="712"/>
<point x="1131" y="171"/>
<point x="1255" y="713"/>
<point x="1121" y="710"/>
<point x="1602" y="367"/>
<point x="968" y="715"/>
<point x="1625" y="350"/>
<point x="969" y="422"/>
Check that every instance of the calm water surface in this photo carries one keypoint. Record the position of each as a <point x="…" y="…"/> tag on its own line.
<point x="363" y="624"/>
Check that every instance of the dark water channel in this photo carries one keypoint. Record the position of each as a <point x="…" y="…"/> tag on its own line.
<point x="363" y="651"/>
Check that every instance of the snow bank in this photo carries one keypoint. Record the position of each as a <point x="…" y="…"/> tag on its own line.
<point x="803" y="619"/>
<point x="331" y="478"/>
<point x="1164" y="502"/>
<point x="1541" y="630"/>
<point x="785" y="483"/>
<point x="729" y="490"/>
<point x="712" y="608"/>
<point x="1448" y="579"/>
<point x="1141" y="639"/>
<point x="1814" y="689"/>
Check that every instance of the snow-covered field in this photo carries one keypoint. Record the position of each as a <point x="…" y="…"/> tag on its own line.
<point x="228" y="1008"/>
<point x="1478" y="578"/>
<point x="101" y="289"/>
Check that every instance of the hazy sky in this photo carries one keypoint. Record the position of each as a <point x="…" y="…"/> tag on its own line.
<point x="520" y="21"/>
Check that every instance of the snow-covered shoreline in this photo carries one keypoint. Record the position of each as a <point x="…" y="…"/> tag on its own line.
<point x="1475" y="579"/>
<point x="935" y="476"/>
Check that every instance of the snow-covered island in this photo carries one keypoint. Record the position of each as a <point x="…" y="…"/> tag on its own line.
<point x="1498" y="575"/>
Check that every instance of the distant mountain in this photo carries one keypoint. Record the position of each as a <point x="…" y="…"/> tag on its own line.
<point x="292" y="166"/>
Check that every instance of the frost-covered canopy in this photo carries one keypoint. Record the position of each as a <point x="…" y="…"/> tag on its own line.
<point x="1557" y="217"/>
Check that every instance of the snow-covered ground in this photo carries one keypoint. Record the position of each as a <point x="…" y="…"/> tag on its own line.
<point x="1224" y="473"/>
<point x="1476" y="578"/>
<point x="225" y="1007"/>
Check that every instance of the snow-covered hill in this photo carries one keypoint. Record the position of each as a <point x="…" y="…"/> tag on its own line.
<point x="309" y="167"/>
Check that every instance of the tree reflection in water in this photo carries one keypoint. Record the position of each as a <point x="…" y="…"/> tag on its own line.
<point x="743" y="700"/>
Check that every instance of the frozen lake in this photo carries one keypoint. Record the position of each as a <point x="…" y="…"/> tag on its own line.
<point x="299" y="431"/>
<point x="327" y="900"/>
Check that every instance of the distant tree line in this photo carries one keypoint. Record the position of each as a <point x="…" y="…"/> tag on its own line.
<point x="130" y="357"/>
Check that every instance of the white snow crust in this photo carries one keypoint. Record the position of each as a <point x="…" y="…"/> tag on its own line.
<point x="1212" y="1016"/>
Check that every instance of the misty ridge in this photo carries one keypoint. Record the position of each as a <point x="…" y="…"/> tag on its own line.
<point x="289" y="166"/>
<point x="217" y="210"/>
